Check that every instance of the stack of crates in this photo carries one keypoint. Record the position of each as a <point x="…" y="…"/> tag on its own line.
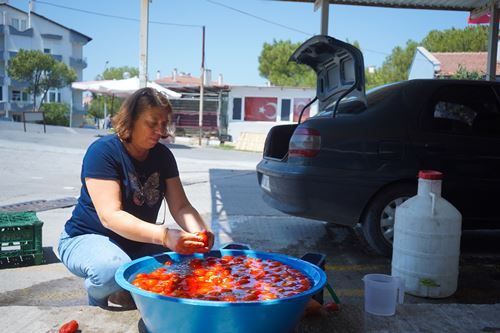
<point x="20" y="239"/>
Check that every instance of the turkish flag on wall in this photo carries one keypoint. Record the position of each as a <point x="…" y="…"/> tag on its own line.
<point x="261" y="108"/>
<point x="298" y="105"/>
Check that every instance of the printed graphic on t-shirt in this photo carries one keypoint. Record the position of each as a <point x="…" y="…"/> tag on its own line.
<point x="148" y="192"/>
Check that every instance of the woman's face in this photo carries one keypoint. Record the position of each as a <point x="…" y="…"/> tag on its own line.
<point x="149" y="127"/>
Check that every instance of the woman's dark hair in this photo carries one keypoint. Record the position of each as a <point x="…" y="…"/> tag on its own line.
<point x="134" y="105"/>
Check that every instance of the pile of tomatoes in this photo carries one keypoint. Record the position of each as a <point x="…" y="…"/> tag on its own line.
<point x="227" y="279"/>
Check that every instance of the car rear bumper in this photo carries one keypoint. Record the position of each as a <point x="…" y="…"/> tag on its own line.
<point x="310" y="192"/>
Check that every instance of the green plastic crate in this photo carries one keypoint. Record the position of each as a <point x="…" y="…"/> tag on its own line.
<point x="20" y="239"/>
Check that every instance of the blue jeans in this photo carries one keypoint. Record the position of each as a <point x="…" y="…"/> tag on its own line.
<point x="96" y="258"/>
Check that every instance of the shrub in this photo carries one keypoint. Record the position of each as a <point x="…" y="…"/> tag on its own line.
<point x="56" y="114"/>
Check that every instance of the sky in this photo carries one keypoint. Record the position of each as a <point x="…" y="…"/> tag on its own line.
<point x="235" y="32"/>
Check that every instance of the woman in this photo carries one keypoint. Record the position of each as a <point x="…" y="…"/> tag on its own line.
<point x="125" y="177"/>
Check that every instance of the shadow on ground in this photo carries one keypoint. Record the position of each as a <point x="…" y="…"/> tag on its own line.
<point x="66" y="291"/>
<point x="240" y="214"/>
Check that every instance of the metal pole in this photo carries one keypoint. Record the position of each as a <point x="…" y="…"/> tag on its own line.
<point x="324" y="16"/>
<point x="71" y="109"/>
<point x="492" y="43"/>
<point x="200" y="118"/>
<point x="143" y="56"/>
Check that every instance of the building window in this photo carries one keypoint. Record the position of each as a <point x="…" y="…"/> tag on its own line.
<point x="15" y="23"/>
<point x="19" y="96"/>
<point x="46" y="51"/>
<point x="53" y="96"/>
<point x="1" y="93"/>
<point x="285" y="109"/>
<point x="19" y="24"/>
<point x="237" y="108"/>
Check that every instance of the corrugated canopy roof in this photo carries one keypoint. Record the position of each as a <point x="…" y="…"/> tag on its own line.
<point x="461" y="5"/>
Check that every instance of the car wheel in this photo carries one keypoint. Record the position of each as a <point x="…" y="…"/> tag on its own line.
<point x="377" y="222"/>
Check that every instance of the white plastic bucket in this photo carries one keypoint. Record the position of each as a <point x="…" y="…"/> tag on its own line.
<point x="382" y="292"/>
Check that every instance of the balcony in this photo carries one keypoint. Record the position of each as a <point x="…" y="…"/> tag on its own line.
<point x="78" y="62"/>
<point x="58" y="57"/>
<point x="27" y="32"/>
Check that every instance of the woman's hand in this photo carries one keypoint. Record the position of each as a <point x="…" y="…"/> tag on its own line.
<point x="183" y="242"/>
<point x="207" y="237"/>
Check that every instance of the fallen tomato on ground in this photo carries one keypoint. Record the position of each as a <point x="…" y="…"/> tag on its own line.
<point x="69" y="327"/>
<point x="332" y="307"/>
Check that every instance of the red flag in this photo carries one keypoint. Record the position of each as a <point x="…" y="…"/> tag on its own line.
<point x="298" y="105"/>
<point x="479" y="20"/>
<point x="261" y="108"/>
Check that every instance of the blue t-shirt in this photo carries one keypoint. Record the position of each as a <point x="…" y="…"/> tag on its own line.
<point x="142" y="185"/>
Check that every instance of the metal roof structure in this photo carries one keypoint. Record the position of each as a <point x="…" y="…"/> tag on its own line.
<point x="460" y="5"/>
<point x="475" y="7"/>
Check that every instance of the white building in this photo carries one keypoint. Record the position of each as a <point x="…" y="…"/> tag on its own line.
<point x="255" y="110"/>
<point x="432" y="65"/>
<point x="31" y="31"/>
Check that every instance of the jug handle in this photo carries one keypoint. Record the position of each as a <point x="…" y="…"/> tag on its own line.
<point x="401" y="290"/>
<point x="433" y="205"/>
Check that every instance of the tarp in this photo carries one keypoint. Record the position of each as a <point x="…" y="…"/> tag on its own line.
<point x="479" y="20"/>
<point x="120" y="88"/>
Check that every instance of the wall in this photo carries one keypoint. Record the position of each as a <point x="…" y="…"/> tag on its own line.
<point x="272" y="99"/>
<point x="424" y="65"/>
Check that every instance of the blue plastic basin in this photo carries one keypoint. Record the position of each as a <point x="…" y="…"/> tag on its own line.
<point x="170" y="314"/>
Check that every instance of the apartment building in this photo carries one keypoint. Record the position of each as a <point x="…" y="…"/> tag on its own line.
<point x="31" y="31"/>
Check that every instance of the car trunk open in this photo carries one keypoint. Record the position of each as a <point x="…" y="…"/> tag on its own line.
<point x="340" y="75"/>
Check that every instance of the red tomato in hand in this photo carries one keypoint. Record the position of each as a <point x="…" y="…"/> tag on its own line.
<point x="204" y="235"/>
<point x="69" y="327"/>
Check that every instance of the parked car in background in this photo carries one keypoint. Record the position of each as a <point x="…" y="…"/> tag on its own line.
<point x="359" y="157"/>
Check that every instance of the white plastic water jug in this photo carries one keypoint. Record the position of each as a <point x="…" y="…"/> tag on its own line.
<point x="426" y="245"/>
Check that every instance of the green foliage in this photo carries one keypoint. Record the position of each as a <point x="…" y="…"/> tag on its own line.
<point x="463" y="74"/>
<point x="396" y="66"/>
<point x="470" y="39"/>
<point x="275" y="67"/>
<point x="56" y="114"/>
<point x="41" y="71"/>
<point x="116" y="73"/>
<point x="96" y="107"/>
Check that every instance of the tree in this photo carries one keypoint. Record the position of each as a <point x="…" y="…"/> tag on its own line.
<point x="396" y="67"/>
<point x="96" y="107"/>
<point x="275" y="67"/>
<point x="470" y="39"/>
<point x="116" y="73"/>
<point x="41" y="71"/>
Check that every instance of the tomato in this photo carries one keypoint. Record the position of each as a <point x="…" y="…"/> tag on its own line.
<point x="228" y="279"/>
<point x="204" y="235"/>
<point x="331" y="307"/>
<point x="69" y="327"/>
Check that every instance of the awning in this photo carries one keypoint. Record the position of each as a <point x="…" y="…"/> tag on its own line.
<point x="120" y="88"/>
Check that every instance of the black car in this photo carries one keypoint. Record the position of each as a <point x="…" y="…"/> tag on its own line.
<point x="359" y="157"/>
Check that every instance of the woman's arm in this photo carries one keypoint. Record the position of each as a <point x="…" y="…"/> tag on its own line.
<point x="186" y="216"/>
<point x="106" y="197"/>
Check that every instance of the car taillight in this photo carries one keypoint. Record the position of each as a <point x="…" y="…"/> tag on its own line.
<point x="305" y="142"/>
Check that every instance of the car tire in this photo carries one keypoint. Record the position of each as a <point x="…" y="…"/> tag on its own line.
<point x="377" y="222"/>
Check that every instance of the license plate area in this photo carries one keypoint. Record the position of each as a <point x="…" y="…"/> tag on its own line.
<point x="265" y="183"/>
